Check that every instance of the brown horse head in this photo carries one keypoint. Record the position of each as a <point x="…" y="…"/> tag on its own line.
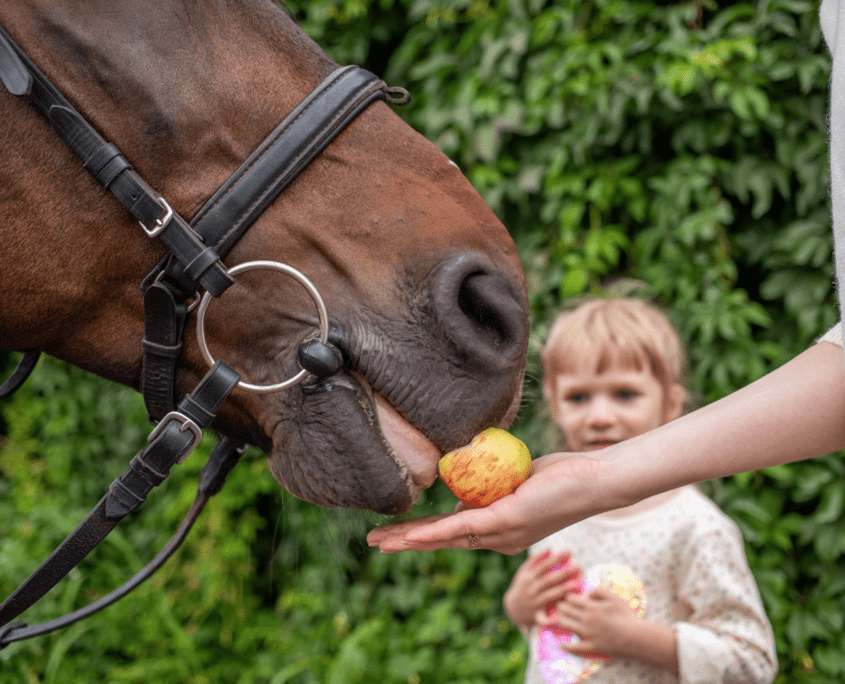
<point x="422" y="283"/>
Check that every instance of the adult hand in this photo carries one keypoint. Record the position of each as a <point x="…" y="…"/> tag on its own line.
<point x="540" y="582"/>
<point x="513" y="523"/>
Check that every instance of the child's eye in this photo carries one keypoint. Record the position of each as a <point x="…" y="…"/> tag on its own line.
<point x="626" y="395"/>
<point x="577" y="398"/>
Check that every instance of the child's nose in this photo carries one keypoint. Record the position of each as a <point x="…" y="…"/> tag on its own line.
<point x="601" y="413"/>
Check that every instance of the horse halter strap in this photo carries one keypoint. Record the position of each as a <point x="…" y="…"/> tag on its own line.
<point x="193" y="261"/>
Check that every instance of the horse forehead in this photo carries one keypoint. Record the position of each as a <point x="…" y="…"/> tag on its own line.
<point x="174" y="82"/>
<point x="177" y="52"/>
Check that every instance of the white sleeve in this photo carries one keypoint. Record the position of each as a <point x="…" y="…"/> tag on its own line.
<point x="834" y="335"/>
<point x="727" y="637"/>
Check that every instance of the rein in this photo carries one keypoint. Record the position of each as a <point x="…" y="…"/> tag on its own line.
<point x="193" y="262"/>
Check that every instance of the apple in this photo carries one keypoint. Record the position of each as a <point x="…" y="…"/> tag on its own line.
<point x="491" y="466"/>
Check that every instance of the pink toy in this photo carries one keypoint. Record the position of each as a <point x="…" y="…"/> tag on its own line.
<point x="560" y="667"/>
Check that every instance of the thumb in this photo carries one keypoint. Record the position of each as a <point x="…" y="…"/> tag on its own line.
<point x="577" y="649"/>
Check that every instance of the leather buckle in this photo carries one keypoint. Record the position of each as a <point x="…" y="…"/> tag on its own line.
<point x="186" y="424"/>
<point x="161" y="223"/>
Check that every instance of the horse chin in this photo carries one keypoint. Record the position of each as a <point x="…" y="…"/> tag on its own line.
<point x="357" y="450"/>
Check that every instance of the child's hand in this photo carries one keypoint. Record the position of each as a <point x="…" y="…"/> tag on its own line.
<point x="540" y="582"/>
<point x="602" y="620"/>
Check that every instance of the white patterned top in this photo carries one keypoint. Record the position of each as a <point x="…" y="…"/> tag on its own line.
<point x="690" y="557"/>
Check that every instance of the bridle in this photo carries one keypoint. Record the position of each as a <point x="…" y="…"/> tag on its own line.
<point x="193" y="262"/>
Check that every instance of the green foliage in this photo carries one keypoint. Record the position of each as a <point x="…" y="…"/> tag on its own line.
<point x="266" y="589"/>
<point x="673" y="150"/>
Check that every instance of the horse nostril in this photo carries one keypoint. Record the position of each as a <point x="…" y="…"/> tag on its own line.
<point x="480" y="299"/>
<point x="480" y="310"/>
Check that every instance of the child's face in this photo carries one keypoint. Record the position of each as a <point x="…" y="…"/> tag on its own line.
<point x="597" y="410"/>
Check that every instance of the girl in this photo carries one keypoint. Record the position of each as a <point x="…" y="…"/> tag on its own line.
<point x="661" y="587"/>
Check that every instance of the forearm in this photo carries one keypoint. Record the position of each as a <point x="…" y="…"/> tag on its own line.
<point x="793" y="413"/>
<point x="651" y="643"/>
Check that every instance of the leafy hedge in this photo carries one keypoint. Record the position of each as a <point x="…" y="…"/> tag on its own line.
<point x="671" y="150"/>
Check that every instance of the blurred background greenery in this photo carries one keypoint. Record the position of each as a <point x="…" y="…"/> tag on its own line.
<point x="670" y="150"/>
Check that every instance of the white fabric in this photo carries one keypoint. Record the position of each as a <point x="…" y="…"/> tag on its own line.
<point x="832" y="17"/>
<point x="834" y="335"/>
<point x="691" y="558"/>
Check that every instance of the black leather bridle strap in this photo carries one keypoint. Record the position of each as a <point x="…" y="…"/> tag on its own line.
<point x="164" y="323"/>
<point x="20" y="374"/>
<point x="224" y="457"/>
<point x="295" y="142"/>
<point x="171" y="442"/>
<point x="111" y="169"/>
<point x="281" y="157"/>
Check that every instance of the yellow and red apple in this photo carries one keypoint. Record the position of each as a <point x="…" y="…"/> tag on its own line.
<point x="491" y="466"/>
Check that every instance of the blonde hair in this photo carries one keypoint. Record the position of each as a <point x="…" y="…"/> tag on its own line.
<point x="613" y="333"/>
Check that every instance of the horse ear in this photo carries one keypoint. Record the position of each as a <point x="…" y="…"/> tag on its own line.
<point x="15" y="76"/>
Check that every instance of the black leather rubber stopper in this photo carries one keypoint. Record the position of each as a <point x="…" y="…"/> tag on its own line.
<point x="322" y="360"/>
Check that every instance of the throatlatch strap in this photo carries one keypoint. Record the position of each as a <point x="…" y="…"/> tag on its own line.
<point x="173" y="439"/>
<point x="20" y="374"/>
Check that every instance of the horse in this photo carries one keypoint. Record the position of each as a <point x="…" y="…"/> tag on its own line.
<point x="424" y="289"/>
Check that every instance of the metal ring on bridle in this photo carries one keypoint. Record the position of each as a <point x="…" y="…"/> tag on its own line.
<point x="302" y="280"/>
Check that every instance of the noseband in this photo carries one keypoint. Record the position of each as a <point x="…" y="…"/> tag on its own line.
<point x="193" y="262"/>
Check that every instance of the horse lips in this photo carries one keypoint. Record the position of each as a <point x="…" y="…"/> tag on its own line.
<point x="491" y="466"/>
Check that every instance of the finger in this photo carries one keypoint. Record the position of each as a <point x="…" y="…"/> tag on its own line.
<point x="569" y="613"/>
<point x="550" y="595"/>
<point x="576" y="601"/>
<point x="557" y="583"/>
<point x="602" y="593"/>
<point x="559" y="562"/>
<point x="567" y="624"/>
<point x="547" y="568"/>
<point x="402" y="526"/>
<point x="533" y="566"/>
<point x="584" y="649"/>
<point x="378" y="535"/>
<point x="569" y="572"/>
<point x="537" y="558"/>
<point x="573" y="586"/>
<point x="541" y="462"/>
<point x="453" y="530"/>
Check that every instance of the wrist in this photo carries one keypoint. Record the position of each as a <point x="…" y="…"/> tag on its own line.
<point x="512" y="608"/>
<point x="625" y="480"/>
<point x="649" y="642"/>
<point x="628" y="636"/>
<point x="609" y="486"/>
